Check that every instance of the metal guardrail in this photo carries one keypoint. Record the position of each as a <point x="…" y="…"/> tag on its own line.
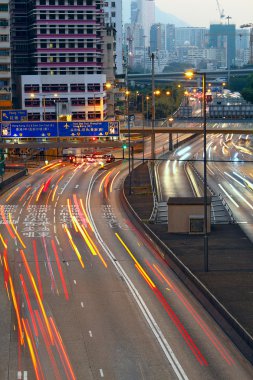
<point x="154" y="213"/>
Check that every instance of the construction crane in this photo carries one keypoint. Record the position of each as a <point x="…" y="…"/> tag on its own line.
<point x="221" y="11"/>
<point x="250" y="25"/>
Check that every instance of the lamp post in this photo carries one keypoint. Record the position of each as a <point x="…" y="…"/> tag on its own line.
<point x="153" y="121"/>
<point x="32" y="95"/>
<point x="129" y="148"/>
<point x="189" y="75"/>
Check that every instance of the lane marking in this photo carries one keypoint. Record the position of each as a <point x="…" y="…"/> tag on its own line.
<point x="82" y="304"/>
<point x="101" y="372"/>
<point x="75" y="282"/>
<point x="19" y="375"/>
<point x="169" y="353"/>
<point x="90" y="333"/>
<point x="25" y="375"/>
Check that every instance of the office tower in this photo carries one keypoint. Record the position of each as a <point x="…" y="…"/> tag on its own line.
<point x="5" y="56"/>
<point x="157" y="37"/>
<point x="143" y="13"/>
<point x="222" y="36"/>
<point x="170" y="38"/>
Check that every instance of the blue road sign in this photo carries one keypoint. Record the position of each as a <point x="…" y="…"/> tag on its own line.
<point x="14" y="115"/>
<point x="62" y="129"/>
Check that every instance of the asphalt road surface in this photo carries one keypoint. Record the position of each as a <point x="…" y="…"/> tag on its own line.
<point x="85" y="294"/>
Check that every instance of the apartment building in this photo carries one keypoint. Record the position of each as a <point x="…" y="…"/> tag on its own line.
<point x="58" y="50"/>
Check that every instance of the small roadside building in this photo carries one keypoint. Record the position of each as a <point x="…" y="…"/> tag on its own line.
<point x="186" y="215"/>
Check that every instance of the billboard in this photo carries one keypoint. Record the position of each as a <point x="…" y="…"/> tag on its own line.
<point x="44" y="129"/>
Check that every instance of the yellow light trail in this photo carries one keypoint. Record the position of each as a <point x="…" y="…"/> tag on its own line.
<point x="73" y="245"/>
<point x="27" y="190"/>
<point x="103" y="180"/>
<point x="3" y="242"/>
<point x="135" y="261"/>
<point x="37" y="293"/>
<point x="11" y="195"/>
<point x="39" y="192"/>
<point x="86" y="215"/>
<point x="32" y="353"/>
<point x="113" y="180"/>
<point x="86" y="239"/>
<point x="16" y="232"/>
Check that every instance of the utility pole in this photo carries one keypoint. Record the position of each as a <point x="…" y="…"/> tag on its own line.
<point x="205" y="179"/>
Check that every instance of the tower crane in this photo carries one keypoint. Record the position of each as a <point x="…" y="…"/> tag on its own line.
<point x="250" y="25"/>
<point x="221" y="11"/>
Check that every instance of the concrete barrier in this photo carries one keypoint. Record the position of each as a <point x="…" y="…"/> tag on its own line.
<point x="9" y="181"/>
<point x="239" y="336"/>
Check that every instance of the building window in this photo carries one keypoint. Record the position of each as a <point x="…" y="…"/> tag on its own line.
<point x="78" y="115"/>
<point x="31" y="88"/>
<point x="78" y="101"/>
<point x="71" y="16"/>
<point x="3" y="7"/>
<point x="4" y="37"/>
<point x="4" y="52"/>
<point x="4" y="22"/>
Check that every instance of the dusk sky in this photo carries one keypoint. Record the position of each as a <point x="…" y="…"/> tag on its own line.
<point x="202" y="12"/>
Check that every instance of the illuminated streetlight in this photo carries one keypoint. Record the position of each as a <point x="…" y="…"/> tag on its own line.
<point x="189" y="75"/>
<point x="129" y="148"/>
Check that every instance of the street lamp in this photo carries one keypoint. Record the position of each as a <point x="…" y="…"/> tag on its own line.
<point x="129" y="148"/>
<point x="32" y="95"/>
<point x="189" y="75"/>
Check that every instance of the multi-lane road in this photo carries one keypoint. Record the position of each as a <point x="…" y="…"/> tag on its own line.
<point x="229" y="173"/>
<point x="85" y="294"/>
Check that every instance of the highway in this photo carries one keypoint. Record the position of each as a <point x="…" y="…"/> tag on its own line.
<point x="229" y="173"/>
<point x="85" y="293"/>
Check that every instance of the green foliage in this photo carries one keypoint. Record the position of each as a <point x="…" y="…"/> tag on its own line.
<point x="177" y="67"/>
<point x="244" y="85"/>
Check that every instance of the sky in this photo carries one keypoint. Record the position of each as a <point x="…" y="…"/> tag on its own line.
<point x="202" y="12"/>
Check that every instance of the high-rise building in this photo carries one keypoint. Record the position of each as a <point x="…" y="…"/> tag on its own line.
<point x="113" y="18"/>
<point x="194" y="36"/>
<point x="223" y="36"/>
<point x="143" y="13"/>
<point x="170" y="38"/>
<point x="157" y="37"/>
<point x="61" y="43"/>
<point x="5" y="56"/>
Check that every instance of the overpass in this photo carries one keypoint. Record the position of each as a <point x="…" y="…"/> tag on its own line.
<point x="199" y="119"/>
<point x="173" y="76"/>
<point x="195" y="129"/>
